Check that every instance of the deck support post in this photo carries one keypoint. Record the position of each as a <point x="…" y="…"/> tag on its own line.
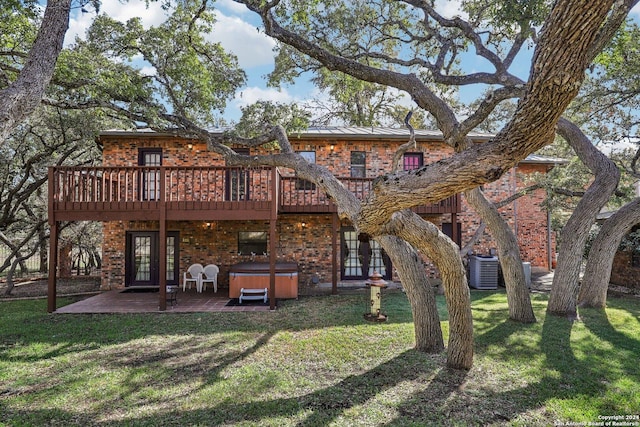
<point x="53" y="267"/>
<point x="163" y="243"/>
<point x="272" y="264"/>
<point x="334" y="254"/>
<point x="275" y="198"/>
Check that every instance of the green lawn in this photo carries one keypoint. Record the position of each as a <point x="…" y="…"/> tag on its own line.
<point x="314" y="362"/>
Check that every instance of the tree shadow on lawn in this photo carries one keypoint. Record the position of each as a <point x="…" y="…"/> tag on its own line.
<point x="597" y="321"/>
<point x="68" y="333"/>
<point x="582" y="372"/>
<point x="328" y="404"/>
<point x="437" y="397"/>
<point x="314" y="409"/>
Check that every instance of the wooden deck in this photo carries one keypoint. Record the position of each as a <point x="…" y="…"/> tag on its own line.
<point x="153" y="193"/>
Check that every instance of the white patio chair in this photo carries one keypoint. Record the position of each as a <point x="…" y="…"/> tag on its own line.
<point x="210" y="275"/>
<point x="193" y="275"/>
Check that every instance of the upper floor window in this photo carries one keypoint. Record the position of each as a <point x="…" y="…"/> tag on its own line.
<point x="150" y="157"/>
<point x="150" y="179"/>
<point x="358" y="164"/>
<point x="412" y="161"/>
<point x="303" y="184"/>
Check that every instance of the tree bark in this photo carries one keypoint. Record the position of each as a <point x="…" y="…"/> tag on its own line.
<point x="66" y="261"/>
<point x="420" y="293"/>
<point x="593" y="291"/>
<point x="22" y="97"/>
<point x="520" y="308"/>
<point x="445" y="254"/>
<point x="564" y="290"/>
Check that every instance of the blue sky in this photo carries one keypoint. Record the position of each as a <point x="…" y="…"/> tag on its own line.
<point x="237" y="29"/>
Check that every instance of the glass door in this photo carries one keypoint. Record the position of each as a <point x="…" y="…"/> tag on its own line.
<point x="143" y="262"/>
<point x="361" y="256"/>
<point x="142" y="267"/>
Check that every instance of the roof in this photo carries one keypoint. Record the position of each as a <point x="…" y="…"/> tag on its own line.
<point x="537" y="158"/>
<point x="362" y="132"/>
<point x="359" y="133"/>
<point x="350" y="132"/>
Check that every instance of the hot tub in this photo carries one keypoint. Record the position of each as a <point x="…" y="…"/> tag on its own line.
<point x="255" y="275"/>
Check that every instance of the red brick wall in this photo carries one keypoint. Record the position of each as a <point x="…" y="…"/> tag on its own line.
<point x="526" y="216"/>
<point x="305" y="240"/>
<point x="623" y="273"/>
<point x="308" y="245"/>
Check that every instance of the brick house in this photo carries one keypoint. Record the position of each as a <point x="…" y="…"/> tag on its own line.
<point x="154" y="186"/>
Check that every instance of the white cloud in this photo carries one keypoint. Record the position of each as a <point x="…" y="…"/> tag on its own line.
<point x="237" y="35"/>
<point x="250" y="95"/>
<point x="253" y="94"/>
<point x="232" y="6"/>
<point x="449" y="9"/>
<point x="77" y="28"/>
<point x="252" y="47"/>
<point x="151" y="15"/>
<point x="619" y="146"/>
<point x="80" y="22"/>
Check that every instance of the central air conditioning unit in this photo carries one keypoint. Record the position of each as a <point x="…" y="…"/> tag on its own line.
<point x="483" y="272"/>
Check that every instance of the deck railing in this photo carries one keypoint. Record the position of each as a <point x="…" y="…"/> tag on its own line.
<point x="144" y="184"/>
<point x="298" y="195"/>
<point x="205" y="188"/>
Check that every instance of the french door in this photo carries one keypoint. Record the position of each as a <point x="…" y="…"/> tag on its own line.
<point x="361" y="256"/>
<point x="142" y="266"/>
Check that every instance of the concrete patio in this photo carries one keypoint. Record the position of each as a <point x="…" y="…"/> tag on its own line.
<point x="190" y="301"/>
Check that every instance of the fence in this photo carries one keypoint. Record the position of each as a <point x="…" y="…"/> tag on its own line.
<point x="32" y="263"/>
<point x="80" y="259"/>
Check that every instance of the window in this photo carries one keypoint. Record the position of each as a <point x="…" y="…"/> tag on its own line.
<point x="303" y="184"/>
<point x="150" y="178"/>
<point x="358" y="164"/>
<point x="252" y="242"/>
<point x="412" y="161"/>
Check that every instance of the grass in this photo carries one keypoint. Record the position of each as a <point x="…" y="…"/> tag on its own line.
<point x="314" y="362"/>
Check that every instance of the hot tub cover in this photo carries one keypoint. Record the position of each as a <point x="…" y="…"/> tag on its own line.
<point x="263" y="267"/>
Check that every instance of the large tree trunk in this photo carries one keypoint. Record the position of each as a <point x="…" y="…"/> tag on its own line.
<point x="419" y="292"/>
<point x="66" y="259"/>
<point x="564" y="290"/>
<point x="21" y="98"/>
<point x="520" y="308"/>
<point x="445" y="254"/>
<point x="593" y="291"/>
